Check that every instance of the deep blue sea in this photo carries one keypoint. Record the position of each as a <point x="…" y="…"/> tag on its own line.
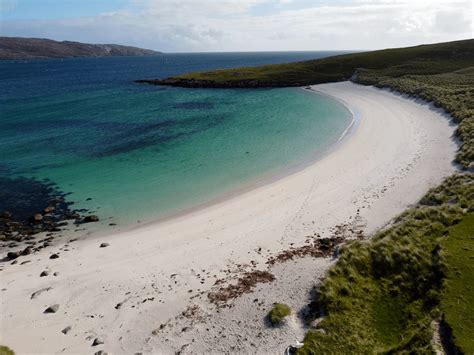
<point x="132" y="152"/>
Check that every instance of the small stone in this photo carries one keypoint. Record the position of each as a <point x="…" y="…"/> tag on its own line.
<point x="27" y="251"/>
<point x="91" y="218"/>
<point x="6" y="215"/>
<point x="52" y="309"/>
<point x="44" y="273"/>
<point x="104" y="245"/>
<point x="38" y="217"/>
<point x="54" y="256"/>
<point x="13" y="255"/>
<point x="66" y="330"/>
<point x="97" y="341"/>
<point x="100" y="352"/>
<point x="49" y="209"/>
<point x="56" y="273"/>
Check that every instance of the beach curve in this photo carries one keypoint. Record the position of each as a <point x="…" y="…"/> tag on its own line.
<point x="399" y="150"/>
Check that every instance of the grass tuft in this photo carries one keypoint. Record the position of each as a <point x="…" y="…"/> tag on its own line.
<point x="279" y="312"/>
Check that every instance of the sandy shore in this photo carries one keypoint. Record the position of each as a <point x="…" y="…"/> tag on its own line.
<point x="132" y="294"/>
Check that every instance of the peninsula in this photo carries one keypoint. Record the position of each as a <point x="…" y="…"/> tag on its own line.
<point x="30" y="48"/>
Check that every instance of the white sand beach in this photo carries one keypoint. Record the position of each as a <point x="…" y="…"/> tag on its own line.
<point x="132" y="294"/>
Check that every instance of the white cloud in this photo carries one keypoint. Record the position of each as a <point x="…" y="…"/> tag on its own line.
<point x="216" y="25"/>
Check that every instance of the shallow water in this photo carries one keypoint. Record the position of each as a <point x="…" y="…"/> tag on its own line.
<point x="136" y="152"/>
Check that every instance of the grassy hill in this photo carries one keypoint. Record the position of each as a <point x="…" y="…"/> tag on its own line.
<point x="424" y="59"/>
<point x="28" y="48"/>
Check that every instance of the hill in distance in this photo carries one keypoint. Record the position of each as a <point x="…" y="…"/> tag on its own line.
<point x="29" y="48"/>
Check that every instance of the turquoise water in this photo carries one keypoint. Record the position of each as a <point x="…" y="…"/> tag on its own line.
<point x="134" y="152"/>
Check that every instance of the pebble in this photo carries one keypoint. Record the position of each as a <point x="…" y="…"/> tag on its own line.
<point x="66" y="330"/>
<point x="52" y="309"/>
<point x="97" y="341"/>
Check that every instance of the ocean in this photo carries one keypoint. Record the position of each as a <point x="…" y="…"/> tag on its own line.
<point x="133" y="153"/>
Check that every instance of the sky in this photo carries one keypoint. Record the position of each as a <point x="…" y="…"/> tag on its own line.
<point x="241" y="25"/>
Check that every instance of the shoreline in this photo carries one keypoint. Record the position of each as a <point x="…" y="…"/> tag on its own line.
<point x="270" y="177"/>
<point x="399" y="150"/>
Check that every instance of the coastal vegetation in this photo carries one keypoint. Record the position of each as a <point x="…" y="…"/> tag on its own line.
<point x="384" y="295"/>
<point x="391" y="293"/>
<point x="5" y="350"/>
<point x="278" y="313"/>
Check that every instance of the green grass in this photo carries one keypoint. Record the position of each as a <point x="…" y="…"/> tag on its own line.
<point x="278" y="313"/>
<point x="383" y="294"/>
<point x="457" y="301"/>
<point x="425" y="59"/>
<point x="5" y="350"/>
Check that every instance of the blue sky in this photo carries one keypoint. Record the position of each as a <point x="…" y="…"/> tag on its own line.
<point x="57" y="9"/>
<point x="241" y="25"/>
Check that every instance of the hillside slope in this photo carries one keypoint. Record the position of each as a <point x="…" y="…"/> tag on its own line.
<point x="420" y="60"/>
<point x="27" y="48"/>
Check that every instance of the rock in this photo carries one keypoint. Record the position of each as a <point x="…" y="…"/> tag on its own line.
<point x="100" y="352"/>
<point x="97" y="341"/>
<point x="49" y="209"/>
<point x="91" y="218"/>
<point x="52" y="309"/>
<point x="6" y="215"/>
<point x="44" y="273"/>
<point x="56" y="273"/>
<point x="54" y="256"/>
<point x="13" y="255"/>
<point x="66" y="330"/>
<point x="27" y="251"/>
<point x="38" y="217"/>
<point x="104" y="245"/>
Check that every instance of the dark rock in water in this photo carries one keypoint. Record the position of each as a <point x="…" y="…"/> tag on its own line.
<point x="72" y="215"/>
<point x="54" y="256"/>
<point x="38" y="217"/>
<point x="52" y="309"/>
<point x="112" y="224"/>
<point x="66" y="330"/>
<point x="31" y="206"/>
<point x="13" y="255"/>
<point x="49" y="209"/>
<point x="97" y="341"/>
<point x="104" y="245"/>
<point x="88" y="199"/>
<point x="90" y="218"/>
<point x="6" y="215"/>
<point x="44" y="273"/>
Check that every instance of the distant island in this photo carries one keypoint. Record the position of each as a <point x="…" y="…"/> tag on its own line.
<point x="34" y="48"/>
